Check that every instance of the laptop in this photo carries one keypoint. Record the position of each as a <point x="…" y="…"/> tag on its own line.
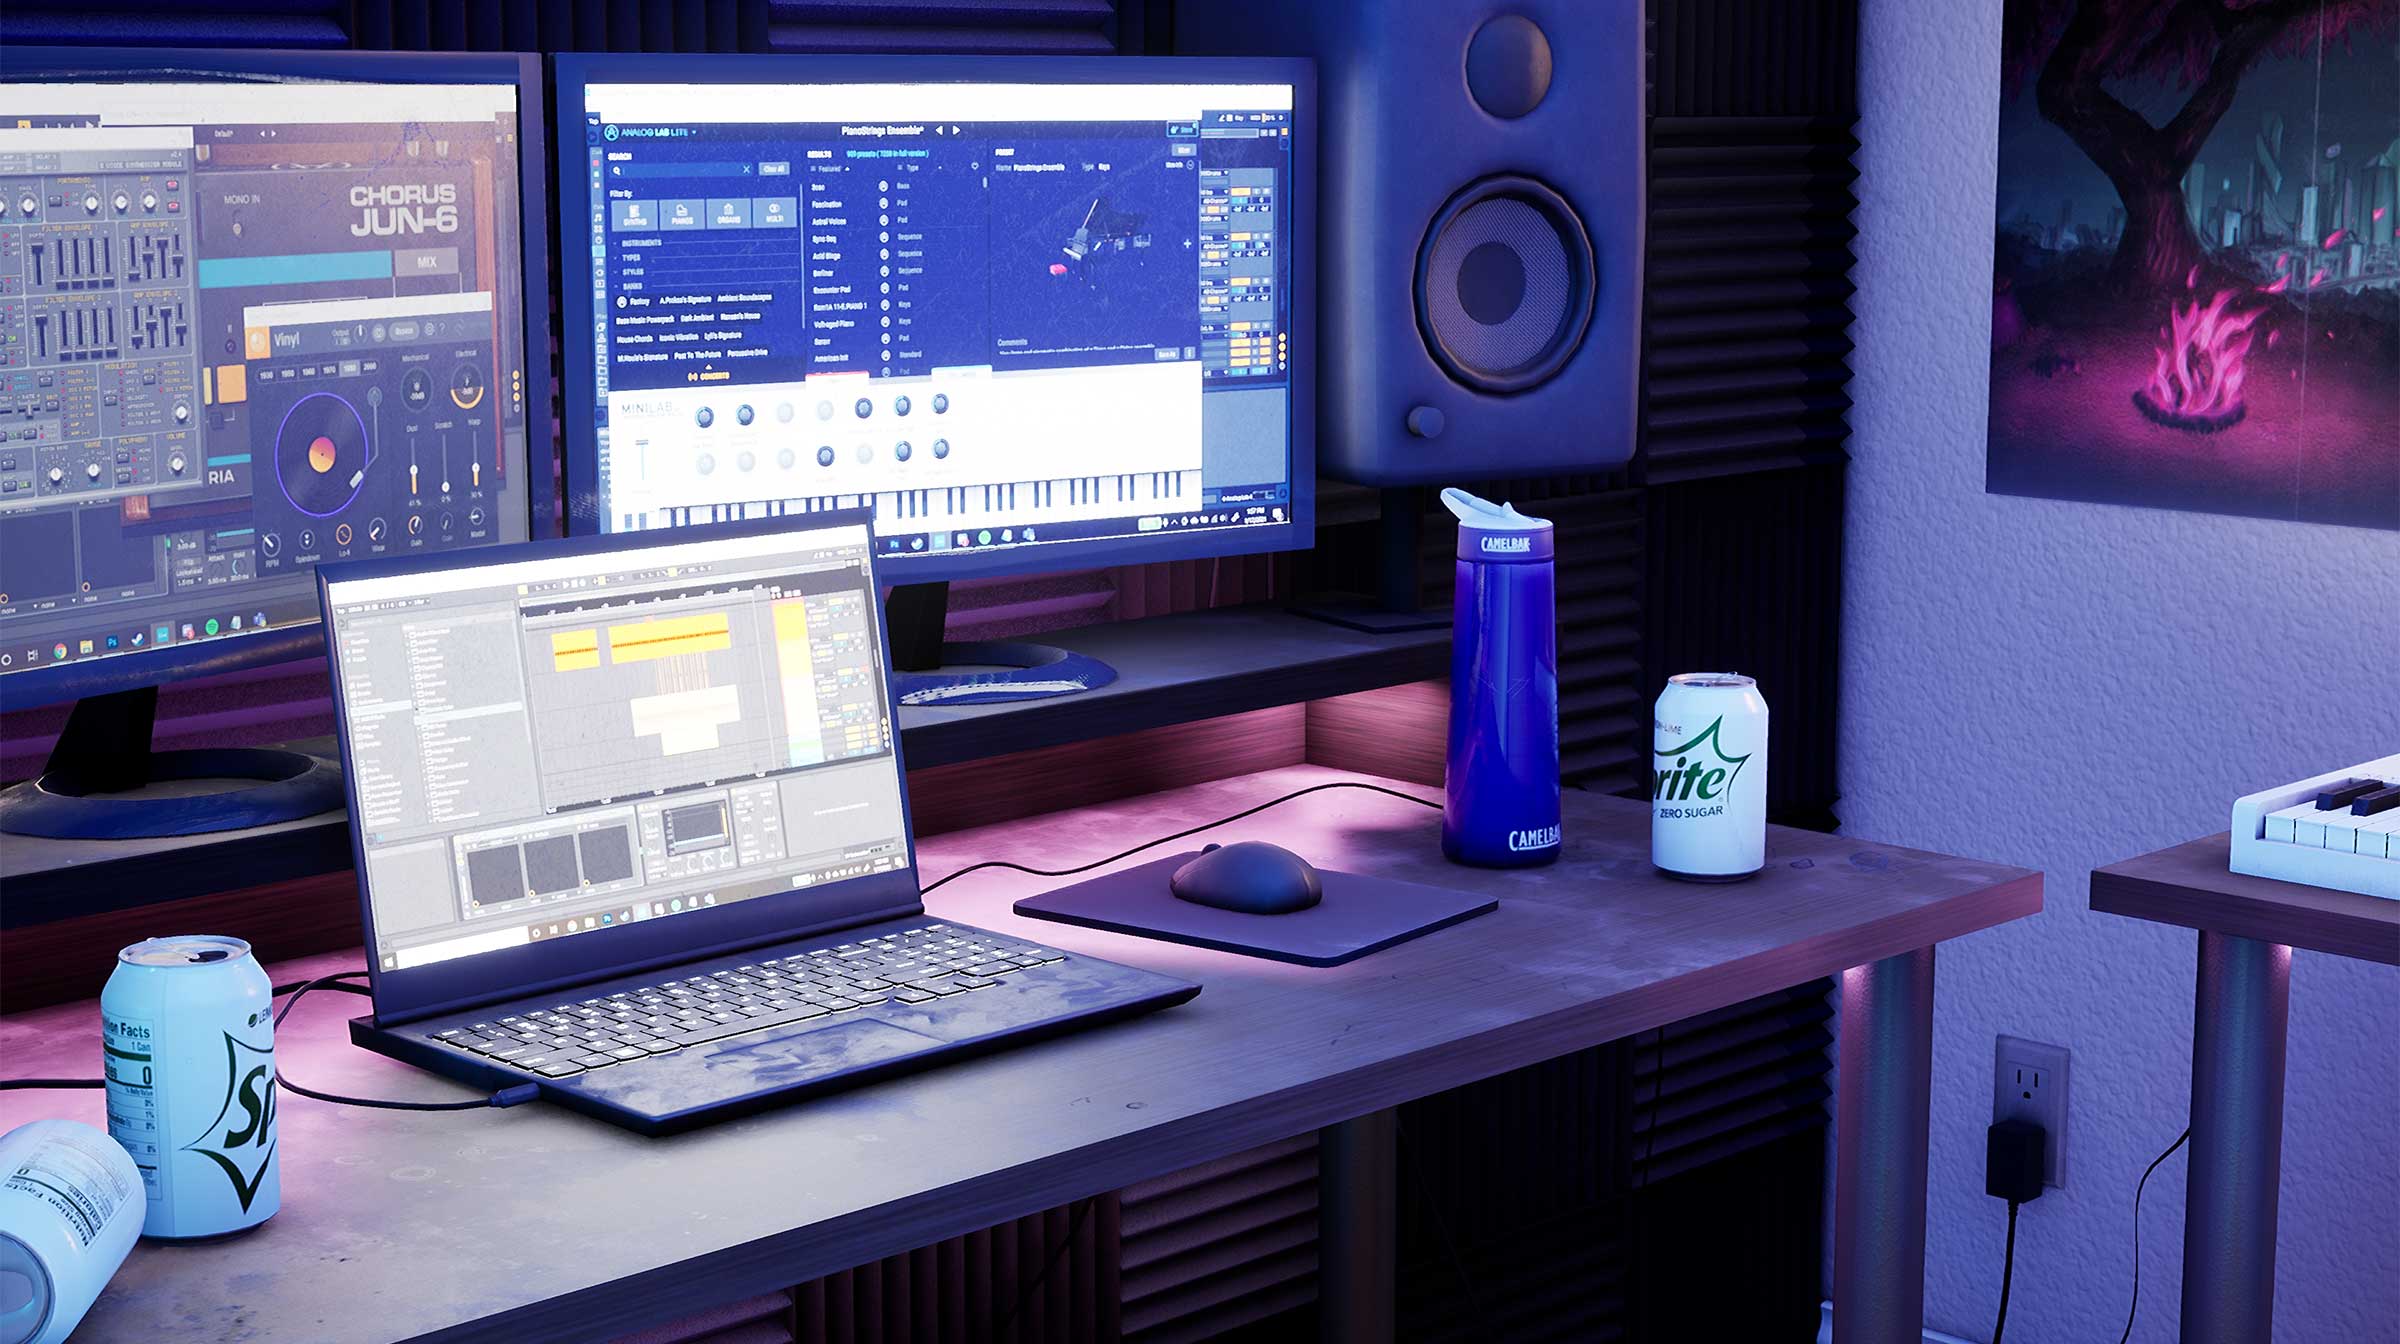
<point x="631" y="824"/>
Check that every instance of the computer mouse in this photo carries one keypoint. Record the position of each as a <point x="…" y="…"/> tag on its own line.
<point x="1252" y="878"/>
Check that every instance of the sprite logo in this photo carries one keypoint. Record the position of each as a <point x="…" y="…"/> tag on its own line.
<point x="1701" y="769"/>
<point x="241" y="1140"/>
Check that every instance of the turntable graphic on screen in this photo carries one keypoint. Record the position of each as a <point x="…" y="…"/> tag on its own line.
<point x="264" y="328"/>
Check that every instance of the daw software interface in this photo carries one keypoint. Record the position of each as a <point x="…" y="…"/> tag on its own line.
<point x="541" y="748"/>
<point x="1001" y="315"/>
<point x="244" y="328"/>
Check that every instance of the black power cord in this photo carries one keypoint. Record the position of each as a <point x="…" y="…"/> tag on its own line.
<point x="1050" y="1263"/>
<point x="339" y="980"/>
<point x="2008" y="1274"/>
<point x="1641" y="1170"/>
<point x="2136" y="1304"/>
<point x="1164" y="839"/>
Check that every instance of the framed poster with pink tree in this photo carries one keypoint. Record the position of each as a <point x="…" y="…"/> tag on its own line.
<point x="2196" y="279"/>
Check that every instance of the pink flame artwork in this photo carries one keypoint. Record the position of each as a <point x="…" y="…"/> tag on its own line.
<point x="2318" y="278"/>
<point x="2334" y="239"/>
<point x="2197" y="383"/>
<point x="2281" y="283"/>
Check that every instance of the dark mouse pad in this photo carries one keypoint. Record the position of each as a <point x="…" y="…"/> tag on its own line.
<point x="1359" y="914"/>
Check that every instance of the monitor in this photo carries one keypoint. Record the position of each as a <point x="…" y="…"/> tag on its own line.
<point x="572" y="756"/>
<point x="257" y="311"/>
<point x="1035" y="314"/>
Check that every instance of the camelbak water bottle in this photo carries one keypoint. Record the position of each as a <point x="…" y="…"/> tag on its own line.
<point x="1501" y="808"/>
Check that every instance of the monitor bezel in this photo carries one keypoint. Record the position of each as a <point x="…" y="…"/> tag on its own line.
<point x="533" y="968"/>
<point x="573" y="73"/>
<point x="20" y="689"/>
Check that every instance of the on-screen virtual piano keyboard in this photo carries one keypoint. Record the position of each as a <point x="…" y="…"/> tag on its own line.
<point x="2338" y="830"/>
<point x="1010" y="504"/>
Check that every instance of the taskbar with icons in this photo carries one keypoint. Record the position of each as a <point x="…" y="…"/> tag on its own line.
<point x="92" y="640"/>
<point x="585" y="917"/>
<point x="1081" y="529"/>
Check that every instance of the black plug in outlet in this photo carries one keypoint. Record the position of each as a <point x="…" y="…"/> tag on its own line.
<point x="2013" y="1156"/>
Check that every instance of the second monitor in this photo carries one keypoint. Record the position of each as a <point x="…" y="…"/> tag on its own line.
<point x="1037" y="314"/>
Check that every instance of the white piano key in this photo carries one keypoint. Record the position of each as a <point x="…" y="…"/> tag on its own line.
<point x="2283" y="824"/>
<point x="2341" y="832"/>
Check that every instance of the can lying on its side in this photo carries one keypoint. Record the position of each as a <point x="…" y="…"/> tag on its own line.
<point x="188" y="1048"/>
<point x="70" y="1209"/>
<point x="1708" y="789"/>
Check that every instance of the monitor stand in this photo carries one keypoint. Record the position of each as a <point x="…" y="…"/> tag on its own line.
<point x="103" y="782"/>
<point x="1394" y="606"/>
<point x="932" y="673"/>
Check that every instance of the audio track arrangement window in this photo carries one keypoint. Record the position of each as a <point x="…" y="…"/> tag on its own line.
<point x="998" y="315"/>
<point x="244" y="328"/>
<point x="545" y="750"/>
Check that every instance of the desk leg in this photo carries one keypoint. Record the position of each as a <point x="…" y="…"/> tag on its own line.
<point x="1879" y="1151"/>
<point x="1358" y="1217"/>
<point x="2238" y="1023"/>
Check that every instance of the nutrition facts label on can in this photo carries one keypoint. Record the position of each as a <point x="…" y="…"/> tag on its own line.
<point x="73" y="1177"/>
<point x="135" y="1118"/>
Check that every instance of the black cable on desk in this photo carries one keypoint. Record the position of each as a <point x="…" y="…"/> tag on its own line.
<point x="339" y="980"/>
<point x="507" y="1096"/>
<point x="61" y="1084"/>
<point x="1164" y="839"/>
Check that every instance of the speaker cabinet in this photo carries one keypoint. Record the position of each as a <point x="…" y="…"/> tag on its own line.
<point x="1480" y="215"/>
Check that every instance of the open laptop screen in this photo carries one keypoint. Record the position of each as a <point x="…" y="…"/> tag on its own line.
<point x="565" y="758"/>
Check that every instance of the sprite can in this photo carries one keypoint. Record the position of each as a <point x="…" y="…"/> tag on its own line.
<point x="1708" y="780"/>
<point x="187" y="1031"/>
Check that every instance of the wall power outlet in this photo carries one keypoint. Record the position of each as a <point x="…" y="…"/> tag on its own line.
<point x="2029" y="1082"/>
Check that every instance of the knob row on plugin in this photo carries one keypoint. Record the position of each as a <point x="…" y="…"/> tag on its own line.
<point x="864" y="409"/>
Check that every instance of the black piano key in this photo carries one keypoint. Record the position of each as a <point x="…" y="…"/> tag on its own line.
<point x="2380" y="801"/>
<point x="2347" y="794"/>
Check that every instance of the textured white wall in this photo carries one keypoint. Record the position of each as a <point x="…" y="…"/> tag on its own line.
<point x="2063" y="685"/>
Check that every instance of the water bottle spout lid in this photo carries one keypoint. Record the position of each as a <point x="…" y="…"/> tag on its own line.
<point x="1477" y="512"/>
<point x="1497" y="532"/>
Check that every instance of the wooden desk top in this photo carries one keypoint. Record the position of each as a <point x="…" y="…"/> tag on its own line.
<point x="2190" y="885"/>
<point x="537" y="1224"/>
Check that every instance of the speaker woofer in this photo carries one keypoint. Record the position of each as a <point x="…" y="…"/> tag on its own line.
<point x="1504" y="284"/>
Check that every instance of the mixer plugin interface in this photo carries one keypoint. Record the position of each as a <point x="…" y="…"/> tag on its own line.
<point x="244" y="328"/>
<point x="1000" y="315"/>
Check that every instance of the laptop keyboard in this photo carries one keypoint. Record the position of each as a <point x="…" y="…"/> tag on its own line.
<point x="917" y="965"/>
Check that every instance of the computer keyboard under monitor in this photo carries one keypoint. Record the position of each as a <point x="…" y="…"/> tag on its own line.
<point x="912" y="965"/>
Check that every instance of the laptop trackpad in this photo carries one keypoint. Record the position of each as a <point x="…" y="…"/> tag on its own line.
<point x="808" y="1052"/>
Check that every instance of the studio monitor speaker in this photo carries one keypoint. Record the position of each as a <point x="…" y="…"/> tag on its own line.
<point x="1480" y="227"/>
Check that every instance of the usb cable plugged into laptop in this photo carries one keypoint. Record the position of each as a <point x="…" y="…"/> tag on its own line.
<point x="515" y="1095"/>
<point x="518" y="1094"/>
<point x="343" y="981"/>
